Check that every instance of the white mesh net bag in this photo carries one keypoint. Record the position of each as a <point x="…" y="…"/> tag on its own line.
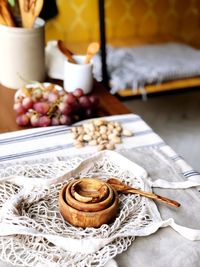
<point x="33" y="232"/>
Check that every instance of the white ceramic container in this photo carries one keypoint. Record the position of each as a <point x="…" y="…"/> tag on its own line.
<point x="78" y="75"/>
<point x="22" y="55"/>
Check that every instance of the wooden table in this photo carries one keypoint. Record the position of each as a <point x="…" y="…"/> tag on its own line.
<point x="110" y="105"/>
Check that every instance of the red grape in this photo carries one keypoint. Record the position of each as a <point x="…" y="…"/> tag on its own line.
<point x="41" y="107"/>
<point x="34" y="119"/>
<point x="22" y="120"/>
<point x="85" y="102"/>
<point x="44" y="121"/>
<point x="64" y="108"/>
<point x="52" y="97"/>
<point x="45" y="95"/>
<point x="78" y="92"/>
<point x="94" y="100"/>
<point x="76" y="107"/>
<point x="65" y="119"/>
<point x="46" y="107"/>
<point x="27" y="103"/>
<point x="18" y="108"/>
<point x="70" y="98"/>
<point x="55" y="121"/>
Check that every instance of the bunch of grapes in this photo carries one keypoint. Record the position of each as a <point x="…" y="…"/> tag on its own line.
<point x="44" y="106"/>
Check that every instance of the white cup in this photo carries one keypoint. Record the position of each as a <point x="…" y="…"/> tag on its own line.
<point x="78" y="75"/>
<point x="22" y="55"/>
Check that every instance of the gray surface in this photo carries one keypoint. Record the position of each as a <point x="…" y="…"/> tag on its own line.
<point x="166" y="247"/>
<point x="176" y="118"/>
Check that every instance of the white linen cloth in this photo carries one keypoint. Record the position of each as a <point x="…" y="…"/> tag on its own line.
<point x="56" y="142"/>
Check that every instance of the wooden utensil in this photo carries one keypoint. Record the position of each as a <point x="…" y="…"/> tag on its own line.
<point x="93" y="48"/>
<point x="2" y="21"/>
<point x="123" y="188"/>
<point x="86" y="194"/>
<point x="5" y="15"/>
<point x="63" y="49"/>
<point x="82" y="217"/>
<point x="89" y="190"/>
<point x="30" y="10"/>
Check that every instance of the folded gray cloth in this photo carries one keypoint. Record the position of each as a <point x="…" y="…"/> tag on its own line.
<point x="136" y="66"/>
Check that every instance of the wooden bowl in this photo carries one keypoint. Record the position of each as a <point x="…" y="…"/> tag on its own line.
<point x="89" y="190"/>
<point x="82" y="218"/>
<point x="87" y="195"/>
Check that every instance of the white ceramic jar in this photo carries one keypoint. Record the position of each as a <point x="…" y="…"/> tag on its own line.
<point x="78" y="75"/>
<point x="22" y="55"/>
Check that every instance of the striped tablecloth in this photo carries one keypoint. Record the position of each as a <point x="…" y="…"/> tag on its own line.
<point x="56" y="142"/>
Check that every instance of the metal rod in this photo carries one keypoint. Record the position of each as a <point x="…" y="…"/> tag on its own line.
<point x="103" y="42"/>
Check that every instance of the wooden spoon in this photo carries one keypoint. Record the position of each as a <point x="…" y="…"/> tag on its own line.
<point x="5" y="15"/>
<point x="63" y="49"/>
<point x="2" y="21"/>
<point x="93" y="48"/>
<point x="30" y="10"/>
<point x="123" y="188"/>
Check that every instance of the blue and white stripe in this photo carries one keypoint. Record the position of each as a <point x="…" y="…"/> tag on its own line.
<point x="57" y="141"/>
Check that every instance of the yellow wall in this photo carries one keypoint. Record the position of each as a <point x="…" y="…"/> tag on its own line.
<point x="127" y="21"/>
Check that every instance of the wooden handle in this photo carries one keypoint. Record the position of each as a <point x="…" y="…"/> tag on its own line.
<point x="37" y="8"/>
<point x="2" y="21"/>
<point x="5" y="15"/>
<point x="93" y="48"/>
<point x="153" y="196"/>
<point x="27" y="17"/>
<point x="66" y="52"/>
<point x="121" y="187"/>
<point x="87" y="58"/>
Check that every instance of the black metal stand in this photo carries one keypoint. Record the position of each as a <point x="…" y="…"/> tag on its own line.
<point x="103" y="42"/>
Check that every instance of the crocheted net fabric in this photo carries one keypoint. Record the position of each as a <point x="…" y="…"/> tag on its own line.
<point x="33" y="230"/>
